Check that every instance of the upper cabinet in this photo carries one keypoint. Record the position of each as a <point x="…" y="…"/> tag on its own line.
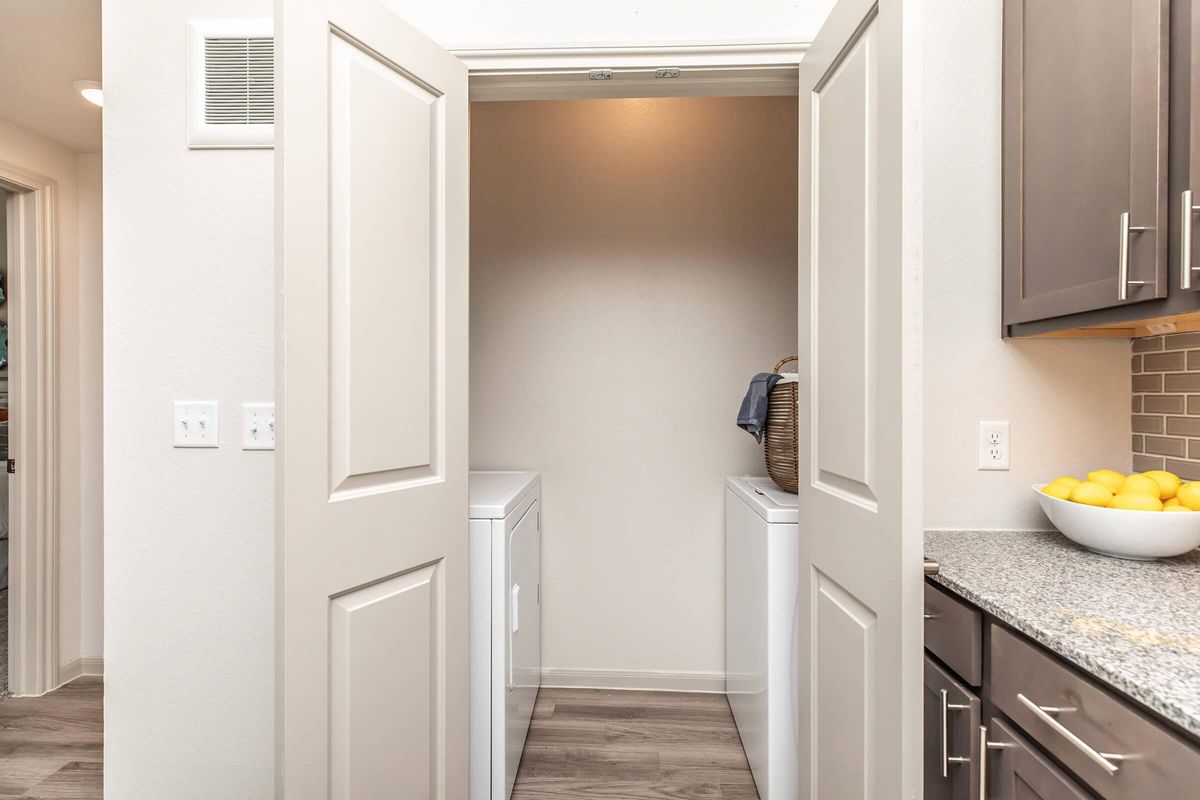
<point x="1085" y="156"/>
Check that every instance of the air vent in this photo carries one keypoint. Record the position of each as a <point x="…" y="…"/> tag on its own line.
<point x="231" y="83"/>
<point x="239" y="80"/>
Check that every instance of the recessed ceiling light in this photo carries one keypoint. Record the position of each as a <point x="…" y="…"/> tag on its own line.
<point x="91" y="91"/>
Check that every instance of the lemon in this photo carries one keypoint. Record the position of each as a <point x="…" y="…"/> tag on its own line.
<point x="1059" y="490"/>
<point x="1141" y="484"/>
<point x="1176" y="507"/>
<point x="1091" y="494"/>
<point x="1172" y="502"/>
<point x="1134" y="501"/>
<point x="1168" y="482"/>
<point x="1068" y="481"/>
<point x="1107" y="477"/>
<point x="1189" y="495"/>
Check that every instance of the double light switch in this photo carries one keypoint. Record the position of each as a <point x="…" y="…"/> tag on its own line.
<point x="197" y="424"/>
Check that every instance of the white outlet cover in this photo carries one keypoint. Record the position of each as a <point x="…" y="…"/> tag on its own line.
<point x="196" y="424"/>
<point x="993" y="445"/>
<point x="258" y="426"/>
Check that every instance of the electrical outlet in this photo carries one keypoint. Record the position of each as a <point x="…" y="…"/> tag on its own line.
<point x="993" y="445"/>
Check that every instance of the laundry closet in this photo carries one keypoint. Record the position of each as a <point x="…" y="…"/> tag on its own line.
<point x="632" y="266"/>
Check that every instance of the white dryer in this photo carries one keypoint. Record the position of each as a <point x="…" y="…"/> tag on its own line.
<point x="762" y="565"/>
<point x="506" y="624"/>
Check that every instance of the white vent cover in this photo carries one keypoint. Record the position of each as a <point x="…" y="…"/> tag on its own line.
<point x="231" y="83"/>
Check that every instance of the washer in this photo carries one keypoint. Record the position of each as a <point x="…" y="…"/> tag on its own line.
<point x="506" y="624"/>
<point x="762" y="564"/>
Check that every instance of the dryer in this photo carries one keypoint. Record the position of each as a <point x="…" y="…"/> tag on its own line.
<point x="506" y="622"/>
<point x="762" y="566"/>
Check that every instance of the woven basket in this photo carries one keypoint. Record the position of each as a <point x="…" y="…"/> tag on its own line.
<point x="780" y="437"/>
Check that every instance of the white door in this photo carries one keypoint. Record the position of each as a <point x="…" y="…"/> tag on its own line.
<point x="860" y="406"/>
<point x="371" y="211"/>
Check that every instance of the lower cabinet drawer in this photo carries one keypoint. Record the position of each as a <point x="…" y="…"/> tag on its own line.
<point x="1015" y="770"/>
<point x="1114" y="747"/>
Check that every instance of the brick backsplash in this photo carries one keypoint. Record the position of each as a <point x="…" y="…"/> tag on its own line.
<point x="1166" y="404"/>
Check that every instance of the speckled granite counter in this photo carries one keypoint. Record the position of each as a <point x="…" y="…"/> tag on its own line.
<point x="1135" y="625"/>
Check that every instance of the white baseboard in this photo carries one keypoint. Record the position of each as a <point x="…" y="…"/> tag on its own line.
<point x="88" y="665"/>
<point x="644" y="680"/>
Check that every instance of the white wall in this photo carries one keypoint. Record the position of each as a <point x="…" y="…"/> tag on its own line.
<point x="188" y="314"/>
<point x="487" y="23"/>
<point x="79" y="380"/>
<point x="1068" y="401"/>
<point x="633" y="263"/>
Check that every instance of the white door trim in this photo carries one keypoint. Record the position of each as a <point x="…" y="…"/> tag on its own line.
<point x="562" y="73"/>
<point x="33" y="398"/>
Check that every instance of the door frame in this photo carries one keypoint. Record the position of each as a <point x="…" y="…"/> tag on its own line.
<point x="34" y="548"/>
<point x="563" y="73"/>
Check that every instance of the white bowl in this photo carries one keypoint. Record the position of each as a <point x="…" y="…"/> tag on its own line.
<point x="1138" y="535"/>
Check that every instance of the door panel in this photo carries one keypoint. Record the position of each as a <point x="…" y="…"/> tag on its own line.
<point x="952" y="746"/>
<point x="1085" y="141"/>
<point x="860" y="495"/>
<point x="1017" y="771"/>
<point x="371" y="468"/>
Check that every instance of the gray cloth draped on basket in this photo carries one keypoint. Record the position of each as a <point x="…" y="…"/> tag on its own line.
<point x="752" y="416"/>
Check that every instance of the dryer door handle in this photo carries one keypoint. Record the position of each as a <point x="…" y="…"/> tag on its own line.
<point x="516" y="607"/>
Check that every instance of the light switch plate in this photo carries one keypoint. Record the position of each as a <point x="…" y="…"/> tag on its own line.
<point x="196" y="423"/>
<point x="993" y="445"/>
<point x="258" y="426"/>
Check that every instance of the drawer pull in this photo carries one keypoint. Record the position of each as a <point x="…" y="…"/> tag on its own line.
<point x="948" y="759"/>
<point x="1044" y="713"/>
<point x="927" y="615"/>
<point x="1123" y="282"/>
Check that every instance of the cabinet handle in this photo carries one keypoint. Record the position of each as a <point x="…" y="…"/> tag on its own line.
<point x="1186" y="211"/>
<point x="1123" y="282"/>
<point x="984" y="746"/>
<point x="1044" y="713"/>
<point x="948" y="759"/>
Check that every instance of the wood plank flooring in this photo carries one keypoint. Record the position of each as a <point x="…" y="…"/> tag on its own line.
<point x="51" y="747"/>
<point x="621" y="745"/>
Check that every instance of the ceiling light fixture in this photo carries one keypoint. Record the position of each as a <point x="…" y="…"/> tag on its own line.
<point x="91" y="91"/>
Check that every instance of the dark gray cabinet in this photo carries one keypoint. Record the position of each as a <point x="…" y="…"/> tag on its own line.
<point x="952" y="736"/>
<point x="1085" y="168"/>
<point x="1017" y="771"/>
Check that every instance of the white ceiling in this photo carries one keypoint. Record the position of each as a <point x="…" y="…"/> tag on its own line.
<point x="45" y="46"/>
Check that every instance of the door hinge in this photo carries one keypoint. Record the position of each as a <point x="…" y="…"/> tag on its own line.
<point x="12" y="466"/>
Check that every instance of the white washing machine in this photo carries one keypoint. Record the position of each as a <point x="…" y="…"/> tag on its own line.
<point x="506" y="624"/>
<point x="762" y="565"/>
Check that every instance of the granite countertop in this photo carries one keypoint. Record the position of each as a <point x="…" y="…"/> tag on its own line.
<point x="1133" y="624"/>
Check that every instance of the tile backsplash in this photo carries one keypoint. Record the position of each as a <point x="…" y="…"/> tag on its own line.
<point x="1166" y="404"/>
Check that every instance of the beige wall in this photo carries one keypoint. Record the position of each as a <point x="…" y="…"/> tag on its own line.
<point x="78" y="280"/>
<point x="1068" y="402"/>
<point x="633" y="263"/>
<point x="188" y="315"/>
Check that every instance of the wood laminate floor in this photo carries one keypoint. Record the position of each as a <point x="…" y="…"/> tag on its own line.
<point x="619" y="745"/>
<point x="51" y="747"/>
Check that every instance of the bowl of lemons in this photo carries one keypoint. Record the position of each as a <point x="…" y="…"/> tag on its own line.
<point x="1144" y="516"/>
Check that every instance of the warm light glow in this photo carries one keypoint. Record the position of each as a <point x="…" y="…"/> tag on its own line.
<point x="91" y="91"/>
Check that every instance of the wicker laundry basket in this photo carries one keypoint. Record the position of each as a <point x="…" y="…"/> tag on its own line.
<point x="780" y="437"/>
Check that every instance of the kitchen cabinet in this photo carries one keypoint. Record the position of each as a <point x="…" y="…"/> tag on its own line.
<point x="1085" y="158"/>
<point x="952" y="736"/>
<point x="1017" y="771"/>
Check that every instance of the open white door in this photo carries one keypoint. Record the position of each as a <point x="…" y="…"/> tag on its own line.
<point x="371" y="210"/>
<point x="860" y="406"/>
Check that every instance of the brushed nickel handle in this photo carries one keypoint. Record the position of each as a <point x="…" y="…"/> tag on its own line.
<point x="1186" y="211"/>
<point x="948" y="759"/>
<point x="1044" y="713"/>
<point x="927" y="615"/>
<point x="1123" y="282"/>
<point x="984" y="746"/>
<point x="931" y="567"/>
